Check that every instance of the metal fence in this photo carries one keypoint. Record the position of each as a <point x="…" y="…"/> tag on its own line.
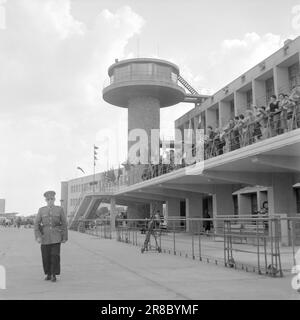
<point x="99" y="227"/>
<point x="244" y="243"/>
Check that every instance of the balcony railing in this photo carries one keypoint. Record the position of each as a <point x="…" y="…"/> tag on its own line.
<point x="237" y="137"/>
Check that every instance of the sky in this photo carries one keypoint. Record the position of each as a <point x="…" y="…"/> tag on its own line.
<point x="54" y="56"/>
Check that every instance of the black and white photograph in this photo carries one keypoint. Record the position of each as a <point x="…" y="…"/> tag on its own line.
<point x="149" y="151"/>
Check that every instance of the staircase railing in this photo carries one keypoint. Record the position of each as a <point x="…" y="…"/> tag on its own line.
<point x="187" y="86"/>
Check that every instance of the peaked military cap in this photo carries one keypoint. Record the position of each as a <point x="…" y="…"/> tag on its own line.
<point x="49" y="194"/>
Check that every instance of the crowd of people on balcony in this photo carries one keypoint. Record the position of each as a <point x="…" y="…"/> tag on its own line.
<point x="258" y="123"/>
<point x="281" y="115"/>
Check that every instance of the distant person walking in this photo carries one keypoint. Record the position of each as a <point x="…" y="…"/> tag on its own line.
<point x="51" y="230"/>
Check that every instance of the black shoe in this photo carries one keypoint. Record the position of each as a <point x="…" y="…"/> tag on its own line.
<point x="48" y="277"/>
<point x="53" y="278"/>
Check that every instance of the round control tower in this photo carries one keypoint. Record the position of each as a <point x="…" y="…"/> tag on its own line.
<point x="143" y="86"/>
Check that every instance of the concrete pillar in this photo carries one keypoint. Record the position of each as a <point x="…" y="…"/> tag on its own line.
<point x="225" y="113"/>
<point x="240" y="103"/>
<point x="143" y="113"/>
<point x="259" y="93"/>
<point x="173" y="212"/>
<point x="281" y="80"/>
<point x="222" y="201"/>
<point x="281" y="195"/>
<point x="282" y="201"/>
<point x="211" y="118"/>
<point x="194" y="209"/>
<point x="113" y="213"/>
<point x="173" y="208"/>
<point x="222" y="204"/>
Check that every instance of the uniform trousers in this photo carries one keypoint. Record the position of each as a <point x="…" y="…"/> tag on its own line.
<point x="51" y="258"/>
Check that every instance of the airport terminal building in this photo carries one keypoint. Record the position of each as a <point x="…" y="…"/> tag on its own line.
<point x="251" y="149"/>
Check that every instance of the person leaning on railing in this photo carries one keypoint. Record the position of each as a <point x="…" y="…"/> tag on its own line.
<point x="219" y="142"/>
<point x="274" y="113"/>
<point x="260" y="123"/>
<point x="293" y="111"/>
<point x="248" y="128"/>
<point x="262" y="119"/>
<point x="236" y="130"/>
<point x="232" y="132"/>
<point x="208" y="141"/>
<point x="224" y="136"/>
<point x="240" y="125"/>
<point x="228" y="136"/>
<point x="283" y="104"/>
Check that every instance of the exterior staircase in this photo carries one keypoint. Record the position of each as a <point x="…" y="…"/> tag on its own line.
<point x="194" y="96"/>
<point x="87" y="207"/>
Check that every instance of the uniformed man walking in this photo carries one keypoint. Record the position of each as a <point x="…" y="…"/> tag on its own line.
<point x="51" y="230"/>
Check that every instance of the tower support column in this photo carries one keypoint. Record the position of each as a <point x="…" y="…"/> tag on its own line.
<point x="173" y="212"/>
<point x="143" y="114"/>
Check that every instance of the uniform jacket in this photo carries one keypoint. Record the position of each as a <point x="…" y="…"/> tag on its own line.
<point x="51" y="225"/>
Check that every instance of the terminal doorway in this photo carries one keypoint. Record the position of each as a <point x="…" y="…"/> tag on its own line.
<point x="182" y="212"/>
<point x="208" y="212"/>
<point x="254" y="207"/>
<point x="297" y="192"/>
<point x="208" y="207"/>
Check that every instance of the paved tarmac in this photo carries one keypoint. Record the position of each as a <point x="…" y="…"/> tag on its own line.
<point x="94" y="268"/>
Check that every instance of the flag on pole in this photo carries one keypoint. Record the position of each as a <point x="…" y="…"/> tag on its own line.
<point x="95" y="154"/>
<point x="81" y="170"/>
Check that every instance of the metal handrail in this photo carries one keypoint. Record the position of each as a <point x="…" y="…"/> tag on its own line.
<point x="251" y="245"/>
<point x="126" y="76"/>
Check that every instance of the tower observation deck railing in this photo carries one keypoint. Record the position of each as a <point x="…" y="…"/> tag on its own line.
<point x="127" y="76"/>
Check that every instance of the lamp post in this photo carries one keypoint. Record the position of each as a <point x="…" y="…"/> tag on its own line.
<point x="81" y="183"/>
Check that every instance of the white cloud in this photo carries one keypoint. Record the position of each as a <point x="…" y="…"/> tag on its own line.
<point x="236" y="56"/>
<point x="233" y="58"/>
<point x="52" y="70"/>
